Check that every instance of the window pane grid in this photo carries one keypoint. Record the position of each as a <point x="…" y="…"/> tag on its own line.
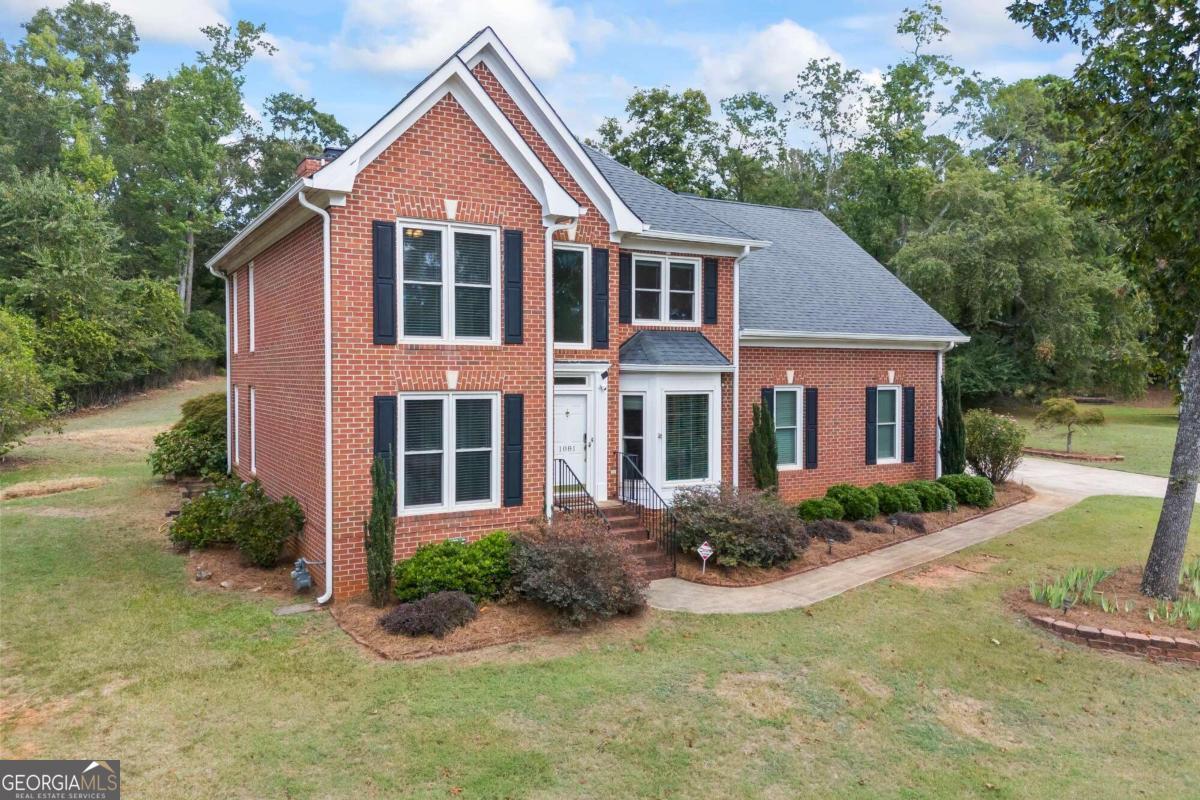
<point x="448" y="277"/>
<point x="886" y="427"/>
<point x="449" y="446"/>
<point x="570" y="296"/>
<point x="687" y="437"/>
<point x="664" y="291"/>
<point x="787" y="408"/>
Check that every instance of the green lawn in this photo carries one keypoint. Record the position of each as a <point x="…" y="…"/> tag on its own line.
<point x="108" y="650"/>
<point x="1145" y="436"/>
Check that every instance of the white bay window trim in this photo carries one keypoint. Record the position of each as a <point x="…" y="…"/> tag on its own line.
<point x="586" y="344"/>
<point x="449" y="451"/>
<point x="797" y="426"/>
<point x="712" y="467"/>
<point x="895" y="424"/>
<point x="665" y="264"/>
<point x="449" y="282"/>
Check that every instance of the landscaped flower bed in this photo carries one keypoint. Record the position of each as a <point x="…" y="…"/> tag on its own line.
<point x="821" y="553"/>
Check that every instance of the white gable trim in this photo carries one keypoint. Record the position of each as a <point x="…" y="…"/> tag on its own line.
<point x="488" y="49"/>
<point x="454" y="79"/>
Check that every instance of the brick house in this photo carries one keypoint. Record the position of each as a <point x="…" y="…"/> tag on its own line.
<point x="515" y="319"/>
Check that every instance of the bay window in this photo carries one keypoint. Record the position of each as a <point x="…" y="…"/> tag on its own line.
<point x="450" y="453"/>
<point x="666" y="290"/>
<point x="687" y="428"/>
<point x="449" y="276"/>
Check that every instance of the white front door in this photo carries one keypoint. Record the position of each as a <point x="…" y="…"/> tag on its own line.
<point x="571" y="434"/>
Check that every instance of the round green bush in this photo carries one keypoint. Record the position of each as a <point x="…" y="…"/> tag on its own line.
<point x="261" y="526"/>
<point x="747" y="528"/>
<point x="934" y="496"/>
<point x="480" y="569"/>
<point x="204" y="520"/>
<point x="971" y="490"/>
<point x="857" y="502"/>
<point x="195" y="445"/>
<point x="994" y="444"/>
<point x="820" y="508"/>
<point x="893" y="499"/>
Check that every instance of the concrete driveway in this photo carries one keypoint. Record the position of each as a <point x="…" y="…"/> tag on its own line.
<point x="1058" y="484"/>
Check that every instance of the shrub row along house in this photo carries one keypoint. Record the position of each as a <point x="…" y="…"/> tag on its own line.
<point x="526" y="323"/>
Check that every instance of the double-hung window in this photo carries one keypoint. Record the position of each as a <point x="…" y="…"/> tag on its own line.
<point x="788" y="410"/>
<point x="666" y="290"/>
<point x="448" y="287"/>
<point x="449" y="444"/>
<point x="572" y="304"/>
<point x="687" y="426"/>
<point x="887" y="425"/>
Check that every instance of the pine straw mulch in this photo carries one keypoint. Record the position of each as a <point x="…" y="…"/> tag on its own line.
<point x="231" y="574"/>
<point x="52" y="486"/>
<point x="1123" y="586"/>
<point x="820" y="554"/>
<point x="508" y="627"/>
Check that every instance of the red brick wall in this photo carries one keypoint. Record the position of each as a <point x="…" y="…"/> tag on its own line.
<point x="286" y="370"/>
<point x="841" y="378"/>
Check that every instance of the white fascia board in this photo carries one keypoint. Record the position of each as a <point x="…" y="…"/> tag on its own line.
<point x="288" y="196"/>
<point x="686" y="368"/>
<point x="455" y="79"/>
<point x="850" y="341"/>
<point x="488" y="49"/>
<point x="683" y="243"/>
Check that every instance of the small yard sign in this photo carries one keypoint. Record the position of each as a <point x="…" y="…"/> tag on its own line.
<point x="705" y="551"/>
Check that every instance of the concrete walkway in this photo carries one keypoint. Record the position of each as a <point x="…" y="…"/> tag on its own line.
<point x="1059" y="485"/>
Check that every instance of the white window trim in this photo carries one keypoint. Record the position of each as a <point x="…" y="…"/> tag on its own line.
<point x="449" y="449"/>
<point x="253" y="434"/>
<point x="586" y="344"/>
<point x="237" y="425"/>
<point x="234" y="313"/>
<point x="714" y="451"/>
<point x="799" y="391"/>
<point x="896" y="427"/>
<point x="448" y="229"/>
<point x="250" y="305"/>
<point x="664" y="289"/>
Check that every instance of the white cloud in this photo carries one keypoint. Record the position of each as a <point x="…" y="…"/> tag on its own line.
<point x="766" y="61"/>
<point x="291" y="61"/>
<point x="156" y="20"/>
<point x="406" y="35"/>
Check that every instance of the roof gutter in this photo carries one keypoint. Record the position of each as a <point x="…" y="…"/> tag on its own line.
<point x="777" y="338"/>
<point x="672" y="236"/>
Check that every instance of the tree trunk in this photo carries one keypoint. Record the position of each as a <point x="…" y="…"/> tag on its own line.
<point x="1069" y="433"/>
<point x="189" y="269"/>
<point x="1161" y="578"/>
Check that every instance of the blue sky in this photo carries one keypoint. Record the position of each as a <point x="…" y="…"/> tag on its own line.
<point x="358" y="57"/>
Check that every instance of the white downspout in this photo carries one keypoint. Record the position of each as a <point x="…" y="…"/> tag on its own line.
<point x="327" y="300"/>
<point x="737" y="357"/>
<point x="548" y="501"/>
<point x="941" y="372"/>
<point x="228" y="370"/>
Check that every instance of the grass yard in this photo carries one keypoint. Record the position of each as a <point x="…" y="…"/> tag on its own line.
<point x="895" y="690"/>
<point x="1145" y="436"/>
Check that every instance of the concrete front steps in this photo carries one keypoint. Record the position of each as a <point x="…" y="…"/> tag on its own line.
<point x="625" y="525"/>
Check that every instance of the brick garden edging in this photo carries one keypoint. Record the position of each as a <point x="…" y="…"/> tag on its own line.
<point x="1156" y="648"/>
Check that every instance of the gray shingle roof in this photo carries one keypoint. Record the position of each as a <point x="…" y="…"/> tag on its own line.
<point x="671" y="348"/>
<point x="815" y="279"/>
<point x="657" y="206"/>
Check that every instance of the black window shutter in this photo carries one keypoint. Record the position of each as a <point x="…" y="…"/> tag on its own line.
<point x="710" y="291"/>
<point x="768" y="399"/>
<point x="383" y="257"/>
<point x="625" y="288"/>
<point x="514" y="449"/>
<point x="810" y="427"/>
<point x="871" y="417"/>
<point x="910" y="424"/>
<point x="600" y="298"/>
<point x="514" y="314"/>
<point x="384" y="444"/>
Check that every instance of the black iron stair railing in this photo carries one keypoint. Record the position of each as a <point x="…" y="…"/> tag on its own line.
<point x="652" y="511"/>
<point x="570" y="493"/>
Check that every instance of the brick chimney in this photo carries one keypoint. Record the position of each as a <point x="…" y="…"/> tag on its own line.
<point x="308" y="165"/>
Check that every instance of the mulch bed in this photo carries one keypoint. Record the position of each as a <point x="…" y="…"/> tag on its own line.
<point x="503" y="623"/>
<point x="819" y="554"/>
<point x="230" y="574"/>
<point x="1063" y="455"/>
<point x="1122" y="586"/>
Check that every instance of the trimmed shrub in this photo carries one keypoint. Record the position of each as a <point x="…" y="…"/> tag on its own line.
<point x="379" y="532"/>
<point x="764" y="451"/>
<point x="954" y="437"/>
<point x="436" y="615"/>
<point x="204" y="521"/>
<point x="896" y="498"/>
<point x="856" y="502"/>
<point x="866" y="526"/>
<point x="828" y="529"/>
<point x="748" y="528"/>
<point x="971" y="490"/>
<point x="933" y="495"/>
<point x="480" y="569"/>
<point x="195" y="445"/>
<point x="820" y="508"/>
<point x="261" y="527"/>
<point x="914" y="522"/>
<point x="994" y="444"/>
<point x="576" y="567"/>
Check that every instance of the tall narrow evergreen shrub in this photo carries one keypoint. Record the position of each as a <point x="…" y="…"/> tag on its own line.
<point x="954" y="432"/>
<point x="764" y="453"/>
<point x="379" y="537"/>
